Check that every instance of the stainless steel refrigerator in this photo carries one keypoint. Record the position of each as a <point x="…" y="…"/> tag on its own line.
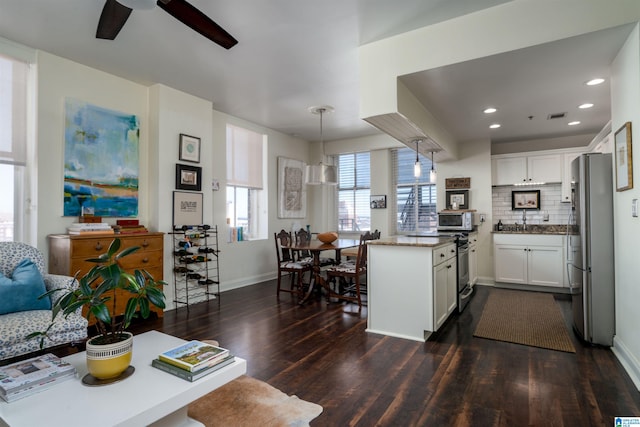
<point x="590" y="263"/>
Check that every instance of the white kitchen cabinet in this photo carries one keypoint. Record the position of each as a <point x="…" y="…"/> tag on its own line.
<point x="473" y="258"/>
<point x="530" y="259"/>
<point x="401" y="285"/>
<point x="547" y="168"/>
<point x="566" y="175"/>
<point x="510" y="170"/>
<point x="511" y="263"/>
<point x="444" y="284"/>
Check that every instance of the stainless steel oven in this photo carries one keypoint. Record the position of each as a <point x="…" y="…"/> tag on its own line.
<point x="462" y="256"/>
<point x="464" y="289"/>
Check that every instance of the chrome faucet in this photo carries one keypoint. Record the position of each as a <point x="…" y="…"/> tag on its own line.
<point x="524" y="219"/>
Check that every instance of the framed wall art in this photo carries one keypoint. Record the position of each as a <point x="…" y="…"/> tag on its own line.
<point x="189" y="150"/>
<point x="188" y="177"/>
<point x="378" y="202"/>
<point x="623" y="160"/>
<point x="101" y="161"/>
<point x="187" y="208"/>
<point x="529" y="199"/>
<point x="458" y="199"/>
<point x="292" y="193"/>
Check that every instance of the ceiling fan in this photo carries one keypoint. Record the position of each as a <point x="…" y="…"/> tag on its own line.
<point x="115" y="14"/>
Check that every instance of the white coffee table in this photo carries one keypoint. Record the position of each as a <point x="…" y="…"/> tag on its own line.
<point x="149" y="397"/>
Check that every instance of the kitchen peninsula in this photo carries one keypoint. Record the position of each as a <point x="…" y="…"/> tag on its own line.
<point x="411" y="285"/>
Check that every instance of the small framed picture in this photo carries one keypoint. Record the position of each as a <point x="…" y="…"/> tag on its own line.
<point x="529" y="199"/>
<point x="378" y="202"/>
<point x="624" y="159"/>
<point x="189" y="150"/>
<point x="187" y="208"/>
<point x="457" y="199"/>
<point x="188" y="177"/>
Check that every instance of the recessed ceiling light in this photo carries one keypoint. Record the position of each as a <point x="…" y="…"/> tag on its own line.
<point x="586" y="105"/>
<point x="495" y="126"/>
<point x="574" y="123"/>
<point x="490" y="110"/>
<point x="594" y="82"/>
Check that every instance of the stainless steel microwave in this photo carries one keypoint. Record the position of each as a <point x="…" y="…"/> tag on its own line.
<point x="455" y="221"/>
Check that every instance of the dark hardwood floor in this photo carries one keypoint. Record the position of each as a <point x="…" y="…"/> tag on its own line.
<point x="322" y="353"/>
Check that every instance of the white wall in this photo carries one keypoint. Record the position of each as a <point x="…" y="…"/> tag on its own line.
<point x="59" y="78"/>
<point x="173" y="112"/>
<point x="625" y="106"/>
<point x="474" y="162"/>
<point x="164" y="113"/>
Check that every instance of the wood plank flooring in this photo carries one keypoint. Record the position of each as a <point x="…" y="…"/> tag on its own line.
<point x="322" y="353"/>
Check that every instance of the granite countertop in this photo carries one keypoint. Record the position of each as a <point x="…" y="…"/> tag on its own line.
<point x="537" y="229"/>
<point x="422" y="241"/>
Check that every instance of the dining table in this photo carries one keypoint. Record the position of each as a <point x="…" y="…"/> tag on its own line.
<point x="315" y="247"/>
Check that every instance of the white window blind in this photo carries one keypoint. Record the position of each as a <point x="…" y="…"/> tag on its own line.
<point x="354" y="189"/>
<point x="13" y="111"/>
<point x="244" y="157"/>
<point x="415" y="198"/>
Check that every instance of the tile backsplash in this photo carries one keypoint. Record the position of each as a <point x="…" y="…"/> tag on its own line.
<point x="550" y="204"/>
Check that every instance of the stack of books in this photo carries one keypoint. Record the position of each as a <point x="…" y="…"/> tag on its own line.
<point x="129" y="226"/>
<point x="27" y="377"/>
<point x="193" y="360"/>
<point x="88" y="228"/>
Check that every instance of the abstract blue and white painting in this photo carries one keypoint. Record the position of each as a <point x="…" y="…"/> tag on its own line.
<point x="101" y="161"/>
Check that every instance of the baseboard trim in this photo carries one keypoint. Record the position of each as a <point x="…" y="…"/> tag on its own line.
<point x="247" y="281"/>
<point x="627" y="360"/>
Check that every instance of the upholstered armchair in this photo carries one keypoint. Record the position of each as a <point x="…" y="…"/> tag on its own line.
<point x="22" y="280"/>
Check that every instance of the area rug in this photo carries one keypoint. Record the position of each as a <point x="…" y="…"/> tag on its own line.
<point x="528" y="318"/>
<point x="249" y="402"/>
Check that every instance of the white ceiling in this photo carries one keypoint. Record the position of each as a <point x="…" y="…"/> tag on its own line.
<point x="294" y="54"/>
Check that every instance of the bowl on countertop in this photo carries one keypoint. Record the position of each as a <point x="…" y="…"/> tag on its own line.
<point x="328" y="237"/>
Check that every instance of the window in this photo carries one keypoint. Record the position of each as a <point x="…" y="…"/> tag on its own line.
<point x="14" y="142"/>
<point x="415" y="198"/>
<point x="246" y="197"/>
<point x="354" y="188"/>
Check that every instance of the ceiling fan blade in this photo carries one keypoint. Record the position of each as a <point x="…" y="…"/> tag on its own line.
<point x="113" y="17"/>
<point x="198" y="21"/>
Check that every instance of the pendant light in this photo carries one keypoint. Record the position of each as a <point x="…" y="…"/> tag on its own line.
<point x="321" y="173"/>
<point x="417" y="169"/>
<point x="432" y="172"/>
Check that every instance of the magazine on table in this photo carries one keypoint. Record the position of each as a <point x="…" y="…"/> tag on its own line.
<point x="34" y="371"/>
<point x="188" y="375"/>
<point x="35" y="387"/>
<point x="194" y="355"/>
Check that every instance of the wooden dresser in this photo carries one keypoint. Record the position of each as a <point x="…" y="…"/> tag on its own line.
<point x="68" y="255"/>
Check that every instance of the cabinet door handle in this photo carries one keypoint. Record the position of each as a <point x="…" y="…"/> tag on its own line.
<point x="453" y="251"/>
<point x="98" y="246"/>
<point x="145" y="260"/>
<point x="441" y="255"/>
<point x="145" y="243"/>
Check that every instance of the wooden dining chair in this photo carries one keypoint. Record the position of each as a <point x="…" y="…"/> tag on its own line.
<point x="351" y="253"/>
<point x="289" y="264"/>
<point x="346" y="277"/>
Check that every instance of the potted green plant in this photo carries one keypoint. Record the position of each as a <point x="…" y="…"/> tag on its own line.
<point x="109" y="353"/>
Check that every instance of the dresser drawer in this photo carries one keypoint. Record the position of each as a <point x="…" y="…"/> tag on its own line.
<point x="137" y="260"/>
<point x="89" y="248"/>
